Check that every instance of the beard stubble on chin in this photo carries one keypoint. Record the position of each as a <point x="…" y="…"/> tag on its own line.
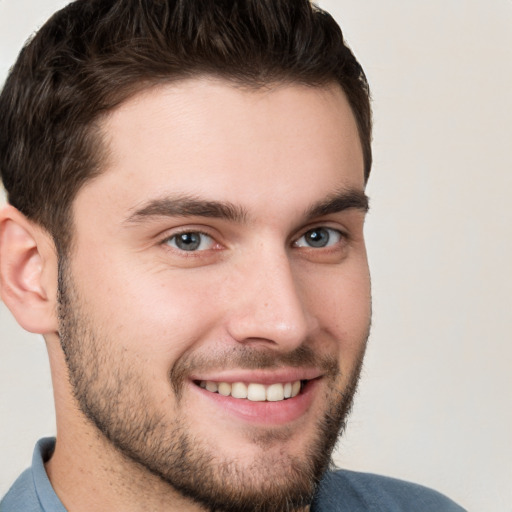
<point x="117" y="399"/>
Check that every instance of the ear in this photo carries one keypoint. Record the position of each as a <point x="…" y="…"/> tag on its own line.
<point x="28" y="272"/>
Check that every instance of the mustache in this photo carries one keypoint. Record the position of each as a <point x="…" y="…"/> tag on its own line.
<point x="250" y="358"/>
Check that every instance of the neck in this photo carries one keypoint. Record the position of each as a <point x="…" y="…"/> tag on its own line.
<point x="87" y="473"/>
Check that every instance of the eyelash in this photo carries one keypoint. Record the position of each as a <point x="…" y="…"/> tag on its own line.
<point x="339" y="234"/>
<point x="169" y="239"/>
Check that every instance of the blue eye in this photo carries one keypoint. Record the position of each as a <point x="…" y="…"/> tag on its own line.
<point x="319" y="238"/>
<point x="190" y="241"/>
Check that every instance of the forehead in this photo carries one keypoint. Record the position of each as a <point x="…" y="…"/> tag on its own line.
<point x="209" y="138"/>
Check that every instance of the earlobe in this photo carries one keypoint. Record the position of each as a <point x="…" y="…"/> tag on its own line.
<point x="28" y="272"/>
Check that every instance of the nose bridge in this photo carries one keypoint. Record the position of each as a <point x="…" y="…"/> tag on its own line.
<point x="269" y="303"/>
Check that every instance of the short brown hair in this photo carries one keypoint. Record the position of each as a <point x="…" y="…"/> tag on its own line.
<point x="93" y="54"/>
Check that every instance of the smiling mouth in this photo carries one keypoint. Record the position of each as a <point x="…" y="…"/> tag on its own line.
<point x="253" y="391"/>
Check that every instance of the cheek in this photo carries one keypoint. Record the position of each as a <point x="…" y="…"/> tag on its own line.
<point x="341" y="301"/>
<point x="156" y="316"/>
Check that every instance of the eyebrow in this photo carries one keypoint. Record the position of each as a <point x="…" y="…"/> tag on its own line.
<point x="190" y="206"/>
<point x="342" y="200"/>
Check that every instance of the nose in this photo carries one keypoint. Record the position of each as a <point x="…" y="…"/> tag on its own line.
<point x="269" y="305"/>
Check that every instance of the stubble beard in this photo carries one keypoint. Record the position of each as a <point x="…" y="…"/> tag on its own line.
<point x="117" y="400"/>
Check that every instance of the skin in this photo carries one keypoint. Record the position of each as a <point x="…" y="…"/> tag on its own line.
<point x="255" y="288"/>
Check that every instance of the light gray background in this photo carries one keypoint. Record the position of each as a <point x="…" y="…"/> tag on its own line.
<point x="435" y="403"/>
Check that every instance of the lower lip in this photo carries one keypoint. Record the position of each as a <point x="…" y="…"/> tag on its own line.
<point x="265" y="413"/>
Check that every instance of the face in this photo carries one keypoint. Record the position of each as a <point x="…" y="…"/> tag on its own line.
<point x="215" y="303"/>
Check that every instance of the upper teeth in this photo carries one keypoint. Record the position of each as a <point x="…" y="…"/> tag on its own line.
<point x="253" y="391"/>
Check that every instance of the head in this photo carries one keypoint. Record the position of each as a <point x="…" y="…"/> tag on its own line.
<point x="199" y="169"/>
<point x="85" y="62"/>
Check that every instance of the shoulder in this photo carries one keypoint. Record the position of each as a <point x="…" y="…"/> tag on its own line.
<point x="32" y="491"/>
<point x="350" y="490"/>
<point x="22" y="495"/>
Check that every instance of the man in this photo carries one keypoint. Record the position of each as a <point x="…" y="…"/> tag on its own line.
<point x="185" y="227"/>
